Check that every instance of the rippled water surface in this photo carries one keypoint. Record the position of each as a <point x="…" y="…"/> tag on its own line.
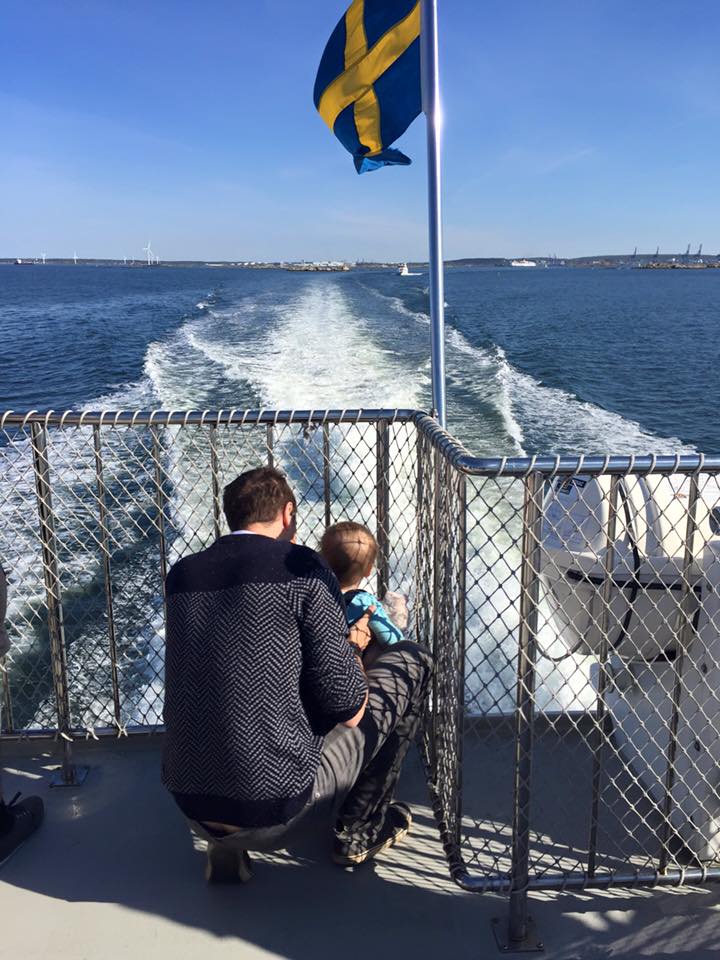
<point x="539" y="360"/>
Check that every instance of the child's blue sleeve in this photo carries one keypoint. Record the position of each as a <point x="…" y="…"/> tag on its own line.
<point x="380" y="623"/>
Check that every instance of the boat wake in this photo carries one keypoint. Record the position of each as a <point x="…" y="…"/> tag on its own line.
<point x="535" y="417"/>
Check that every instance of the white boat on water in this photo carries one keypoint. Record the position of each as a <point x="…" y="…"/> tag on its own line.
<point x="523" y="263"/>
<point x="404" y="272"/>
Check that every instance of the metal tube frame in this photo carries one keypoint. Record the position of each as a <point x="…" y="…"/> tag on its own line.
<point x="459" y="457"/>
<point x="461" y="617"/>
<point x="436" y="602"/>
<point x="159" y="485"/>
<point x="7" y="712"/>
<point x="53" y="596"/>
<point x="422" y="537"/>
<point x="684" y="633"/>
<point x="107" y="572"/>
<point x="327" y="485"/>
<point x="520" y="933"/>
<point x="270" y="441"/>
<point x="601" y="714"/>
<point x="215" y="479"/>
<point x="204" y="418"/>
<point x="382" y="508"/>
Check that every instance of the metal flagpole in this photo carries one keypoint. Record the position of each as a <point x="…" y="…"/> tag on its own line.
<point x="433" y="113"/>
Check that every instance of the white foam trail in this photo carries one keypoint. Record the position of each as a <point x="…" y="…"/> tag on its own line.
<point x="317" y="353"/>
<point x="71" y="456"/>
<point x="565" y="422"/>
<point x="311" y="351"/>
<point x="138" y="395"/>
<point x="575" y="425"/>
<point x="496" y="389"/>
<point x="489" y="386"/>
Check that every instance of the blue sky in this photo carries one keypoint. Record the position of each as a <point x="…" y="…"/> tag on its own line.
<point x="572" y="127"/>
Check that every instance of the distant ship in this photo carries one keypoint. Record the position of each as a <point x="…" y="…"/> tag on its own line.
<point x="404" y="272"/>
<point x="523" y="263"/>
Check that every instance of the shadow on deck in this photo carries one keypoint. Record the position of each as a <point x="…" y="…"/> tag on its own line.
<point x="113" y="873"/>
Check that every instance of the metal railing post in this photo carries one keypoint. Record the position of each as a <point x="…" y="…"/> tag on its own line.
<point x="602" y="717"/>
<point x="7" y="711"/>
<point x="159" y="503"/>
<point x="461" y="597"/>
<point x="382" y="491"/>
<point x="107" y="572"/>
<point x="436" y="603"/>
<point x="269" y="442"/>
<point x="215" y="475"/>
<point x="684" y="631"/>
<point x="327" y="489"/>
<point x="69" y="775"/>
<point x="520" y="931"/>
<point x="422" y="545"/>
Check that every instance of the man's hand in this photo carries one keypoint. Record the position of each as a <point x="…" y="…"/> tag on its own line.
<point x="360" y="633"/>
<point x="359" y="637"/>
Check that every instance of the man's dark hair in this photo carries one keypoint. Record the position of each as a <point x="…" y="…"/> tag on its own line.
<point x="256" y="496"/>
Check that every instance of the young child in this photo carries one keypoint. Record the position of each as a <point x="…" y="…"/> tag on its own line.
<point x="350" y="550"/>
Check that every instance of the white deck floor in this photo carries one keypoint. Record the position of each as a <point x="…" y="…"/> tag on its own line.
<point x="113" y="874"/>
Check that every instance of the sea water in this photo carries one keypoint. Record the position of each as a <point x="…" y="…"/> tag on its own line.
<point x="545" y="360"/>
<point x="537" y="360"/>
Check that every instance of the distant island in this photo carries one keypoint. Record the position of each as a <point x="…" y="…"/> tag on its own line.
<point x="656" y="261"/>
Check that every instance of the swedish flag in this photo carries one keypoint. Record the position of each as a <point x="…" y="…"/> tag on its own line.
<point x="367" y="88"/>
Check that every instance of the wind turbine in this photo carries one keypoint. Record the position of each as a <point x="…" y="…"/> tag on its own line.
<point x="75" y="257"/>
<point x="43" y="255"/>
<point x="149" y="253"/>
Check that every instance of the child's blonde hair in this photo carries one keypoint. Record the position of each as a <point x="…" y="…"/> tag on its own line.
<point x="350" y="550"/>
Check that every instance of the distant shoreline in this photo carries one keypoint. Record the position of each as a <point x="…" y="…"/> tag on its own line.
<point x="608" y="261"/>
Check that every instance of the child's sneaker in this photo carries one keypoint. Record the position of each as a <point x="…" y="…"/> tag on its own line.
<point x="18" y="820"/>
<point x="348" y="851"/>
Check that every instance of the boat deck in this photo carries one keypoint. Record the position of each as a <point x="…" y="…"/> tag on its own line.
<point x="113" y="873"/>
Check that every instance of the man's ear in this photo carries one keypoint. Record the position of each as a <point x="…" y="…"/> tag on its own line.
<point x="288" y="515"/>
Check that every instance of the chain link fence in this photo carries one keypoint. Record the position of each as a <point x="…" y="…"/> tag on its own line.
<point x="572" y="604"/>
<point x="574" y="737"/>
<point x="95" y="508"/>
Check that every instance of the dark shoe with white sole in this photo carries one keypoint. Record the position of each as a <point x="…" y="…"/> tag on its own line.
<point x="18" y="820"/>
<point x="227" y="864"/>
<point x="349" y="851"/>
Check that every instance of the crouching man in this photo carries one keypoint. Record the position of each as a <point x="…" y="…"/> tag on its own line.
<point x="270" y="716"/>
